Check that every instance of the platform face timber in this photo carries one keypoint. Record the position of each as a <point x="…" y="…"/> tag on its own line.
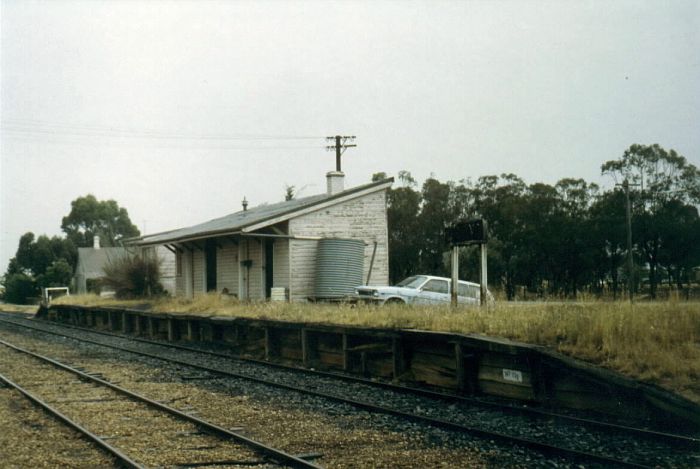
<point x="468" y="364"/>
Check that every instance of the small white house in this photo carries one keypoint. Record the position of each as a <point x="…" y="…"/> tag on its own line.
<point x="250" y="252"/>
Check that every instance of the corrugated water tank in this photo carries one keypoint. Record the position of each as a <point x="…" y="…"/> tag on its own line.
<point x="339" y="266"/>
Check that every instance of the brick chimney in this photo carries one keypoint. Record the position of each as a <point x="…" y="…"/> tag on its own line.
<point x="335" y="181"/>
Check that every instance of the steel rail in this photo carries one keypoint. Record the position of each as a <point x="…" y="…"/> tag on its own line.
<point x="122" y="458"/>
<point x="673" y="438"/>
<point x="439" y="423"/>
<point x="277" y="455"/>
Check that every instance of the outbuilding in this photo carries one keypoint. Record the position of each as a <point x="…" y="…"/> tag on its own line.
<point x="272" y="249"/>
<point x="91" y="264"/>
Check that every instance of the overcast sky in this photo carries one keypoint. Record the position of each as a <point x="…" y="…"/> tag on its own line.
<point x="155" y="104"/>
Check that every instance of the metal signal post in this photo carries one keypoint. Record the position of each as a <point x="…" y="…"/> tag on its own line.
<point x="464" y="233"/>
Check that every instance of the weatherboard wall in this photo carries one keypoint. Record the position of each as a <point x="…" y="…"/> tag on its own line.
<point x="280" y="263"/>
<point x="363" y="218"/>
<point x="227" y="267"/>
<point x="179" y="276"/>
<point x="168" y="274"/>
<point x="198" y="271"/>
<point x="257" y="273"/>
<point x="250" y="277"/>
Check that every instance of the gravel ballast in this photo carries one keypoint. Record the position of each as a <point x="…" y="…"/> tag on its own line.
<point x="352" y="438"/>
<point x="344" y="436"/>
<point x="32" y="438"/>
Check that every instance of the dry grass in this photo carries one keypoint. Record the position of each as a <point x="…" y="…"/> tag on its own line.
<point x="657" y="342"/>
<point x="10" y="308"/>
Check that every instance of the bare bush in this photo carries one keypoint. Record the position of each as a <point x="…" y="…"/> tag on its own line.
<point x="134" y="276"/>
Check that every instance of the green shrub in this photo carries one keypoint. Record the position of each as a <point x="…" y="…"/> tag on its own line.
<point x="93" y="285"/>
<point x="58" y="274"/>
<point x="19" y="288"/>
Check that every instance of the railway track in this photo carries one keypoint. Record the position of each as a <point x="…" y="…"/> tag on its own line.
<point x="647" y="457"/>
<point x="105" y="412"/>
<point x="640" y="431"/>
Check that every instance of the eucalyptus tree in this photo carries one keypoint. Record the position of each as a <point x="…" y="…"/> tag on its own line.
<point x="43" y="261"/>
<point x="574" y="199"/>
<point x="500" y="200"/>
<point x="35" y="255"/>
<point x="542" y="228"/>
<point x="38" y="262"/>
<point x="607" y="236"/>
<point x="656" y="177"/>
<point x="90" y="217"/>
<point x="679" y="232"/>
<point x="434" y="217"/>
<point x="403" y="208"/>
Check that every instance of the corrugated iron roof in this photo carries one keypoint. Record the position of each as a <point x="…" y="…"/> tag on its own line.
<point x="244" y="218"/>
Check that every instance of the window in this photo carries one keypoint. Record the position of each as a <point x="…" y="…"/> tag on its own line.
<point x="436" y="286"/>
<point x="411" y="282"/>
<point x="468" y="291"/>
<point x="178" y="263"/>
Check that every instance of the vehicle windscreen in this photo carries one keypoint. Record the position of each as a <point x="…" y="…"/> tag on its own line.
<point x="411" y="282"/>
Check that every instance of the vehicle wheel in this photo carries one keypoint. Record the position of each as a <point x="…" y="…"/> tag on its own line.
<point x="394" y="301"/>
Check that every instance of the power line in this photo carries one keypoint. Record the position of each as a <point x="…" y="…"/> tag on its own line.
<point x="163" y="144"/>
<point x="34" y="127"/>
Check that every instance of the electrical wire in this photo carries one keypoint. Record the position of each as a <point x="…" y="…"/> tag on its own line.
<point x="42" y="127"/>
<point x="77" y="134"/>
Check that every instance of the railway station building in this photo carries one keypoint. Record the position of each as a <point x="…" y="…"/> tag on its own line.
<point x="271" y="251"/>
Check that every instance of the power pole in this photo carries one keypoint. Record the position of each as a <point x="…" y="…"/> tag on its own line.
<point x="483" y="275"/>
<point x="630" y="259"/>
<point x="341" y="144"/>
<point x="455" y="275"/>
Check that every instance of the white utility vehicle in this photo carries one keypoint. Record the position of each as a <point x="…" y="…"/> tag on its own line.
<point x="422" y="289"/>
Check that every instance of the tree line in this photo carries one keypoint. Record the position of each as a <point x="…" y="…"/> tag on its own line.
<point x="558" y="239"/>
<point x="45" y="261"/>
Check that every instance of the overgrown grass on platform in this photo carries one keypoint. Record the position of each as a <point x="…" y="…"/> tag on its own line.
<point x="12" y="308"/>
<point x="657" y="342"/>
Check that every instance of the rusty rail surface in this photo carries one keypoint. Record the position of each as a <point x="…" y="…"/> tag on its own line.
<point x="276" y="455"/>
